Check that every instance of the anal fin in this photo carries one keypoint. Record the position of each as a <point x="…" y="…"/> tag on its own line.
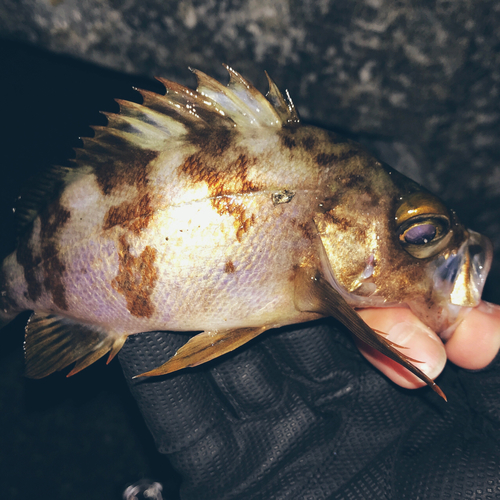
<point x="53" y="342"/>
<point x="204" y="347"/>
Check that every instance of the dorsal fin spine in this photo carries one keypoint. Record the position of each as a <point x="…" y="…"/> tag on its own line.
<point x="163" y="117"/>
<point x="284" y="106"/>
<point x="261" y="108"/>
<point x="151" y="116"/>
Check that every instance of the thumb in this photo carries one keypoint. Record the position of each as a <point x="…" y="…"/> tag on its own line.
<point x="406" y="330"/>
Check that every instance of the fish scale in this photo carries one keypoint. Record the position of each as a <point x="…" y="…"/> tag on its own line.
<point x="216" y="210"/>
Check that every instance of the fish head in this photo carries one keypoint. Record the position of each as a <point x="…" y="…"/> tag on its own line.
<point x="387" y="241"/>
<point x="456" y="259"/>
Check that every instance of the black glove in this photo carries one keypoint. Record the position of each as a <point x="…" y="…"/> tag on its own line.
<point x="299" y="414"/>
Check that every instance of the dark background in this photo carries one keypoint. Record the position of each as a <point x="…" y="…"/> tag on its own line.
<point x="82" y="437"/>
<point x="417" y="82"/>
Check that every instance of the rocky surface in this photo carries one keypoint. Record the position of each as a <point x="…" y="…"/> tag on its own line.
<point x="424" y="76"/>
<point x="416" y="81"/>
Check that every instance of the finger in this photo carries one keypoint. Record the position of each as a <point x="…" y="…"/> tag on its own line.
<point x="406" y="330"/>
<point x="476" y="341"/>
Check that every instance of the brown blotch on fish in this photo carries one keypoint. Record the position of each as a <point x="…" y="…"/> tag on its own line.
<point x="226" y="205"/>
<point x="135" y="215"/>
<point x="136" y="279"/>
<point x="52" y="219"/>
<point x="353" y="180"/>
<point x="326" y="159"/>
<point x="29" y="262"/>
<point x="308" y="230"/>
<point x="229" y="267"/>
<point x="214" y="142"/>
<point x="223" y="184"/>
<point x="288" y="142"/>
<point x="308" y="143"/>
<point x="53" y="269"/>
<point x="341" y="223"/>
<point x="293" y="273"/>
<point x="131" y="170"/>
<point x="230" y="180"/>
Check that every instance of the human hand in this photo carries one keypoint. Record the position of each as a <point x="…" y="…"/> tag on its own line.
<point x="473" y="345"/>
<point x="298" y="413"/>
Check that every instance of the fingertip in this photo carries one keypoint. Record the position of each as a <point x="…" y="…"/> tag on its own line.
<point x="418" y="341"/>
<point x="476" y="341"/>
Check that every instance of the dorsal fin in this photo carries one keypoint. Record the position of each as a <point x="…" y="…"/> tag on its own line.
<point x="284" y="107"/>
<point x="159" y="120"/>
<point x="239" y="100"/>
<point x="181" y="111"/>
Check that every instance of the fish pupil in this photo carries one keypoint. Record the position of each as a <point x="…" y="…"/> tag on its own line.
<point x="421" y="234"/>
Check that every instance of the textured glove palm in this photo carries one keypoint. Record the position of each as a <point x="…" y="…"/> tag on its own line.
<point x="298" y="414"/>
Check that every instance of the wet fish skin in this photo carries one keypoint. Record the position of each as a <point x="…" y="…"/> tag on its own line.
<point x="216" y="210"/>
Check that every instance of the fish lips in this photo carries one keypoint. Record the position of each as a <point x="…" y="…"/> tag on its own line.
<point x="459" y="279"/>
<point x="461" y="275"/>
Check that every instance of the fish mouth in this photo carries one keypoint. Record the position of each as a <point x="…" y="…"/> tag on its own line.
<point x="459" y="279"/>
<point x="461" y="275"/>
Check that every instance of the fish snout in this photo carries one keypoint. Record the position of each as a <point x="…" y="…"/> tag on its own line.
<point x="458" y="284"/>
<point x="472" y="264"/>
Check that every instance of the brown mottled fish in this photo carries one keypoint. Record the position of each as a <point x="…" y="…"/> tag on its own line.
<point x="217" y="210"/>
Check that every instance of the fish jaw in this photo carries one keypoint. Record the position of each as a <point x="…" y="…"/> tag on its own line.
<point x="475" y="255"/>
<point x="458" y="281"/>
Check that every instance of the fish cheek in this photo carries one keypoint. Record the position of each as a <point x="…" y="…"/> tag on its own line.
<point x="402" y="278"/>
<point x="346" y="243"/>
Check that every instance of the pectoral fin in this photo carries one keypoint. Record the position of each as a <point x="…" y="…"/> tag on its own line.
<point x="204" y="347"/>
<point x="53" y="342"/>
<point x="314" y="294"/>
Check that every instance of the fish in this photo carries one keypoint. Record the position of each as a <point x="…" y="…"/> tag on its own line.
<point x="218" y="211"/>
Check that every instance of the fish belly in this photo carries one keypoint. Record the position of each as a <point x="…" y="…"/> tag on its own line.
<point x="205" y="265"/>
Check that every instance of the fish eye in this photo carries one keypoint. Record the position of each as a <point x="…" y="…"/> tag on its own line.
<point x="420" y="234"/>
<point x="423" y="225"/>
<point x="424" y="236"/>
